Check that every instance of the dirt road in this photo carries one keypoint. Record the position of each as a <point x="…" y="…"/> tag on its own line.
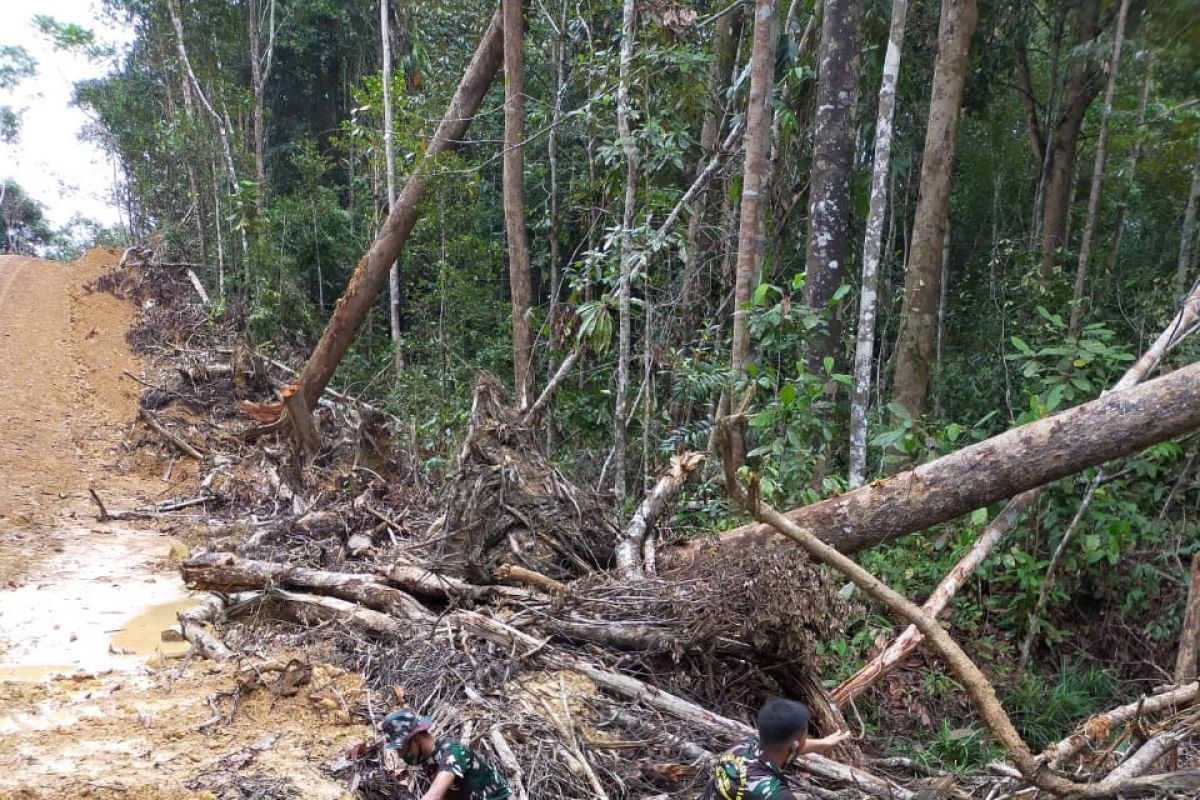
<point x="93" y="702"/>
<point x="64" y="402"/>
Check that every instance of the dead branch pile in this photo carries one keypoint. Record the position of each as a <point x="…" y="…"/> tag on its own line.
<point x="579" y="682"/>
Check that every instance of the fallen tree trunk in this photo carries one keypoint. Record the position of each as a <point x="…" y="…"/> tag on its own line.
<point x="303" y="609"/>
<point x="1118" y="424"/>
<point x="895" y="652"/>
<point x="372" y="270"/>
<point x="228" y="573"/>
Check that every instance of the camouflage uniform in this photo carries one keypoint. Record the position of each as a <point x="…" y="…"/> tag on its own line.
<point x="743" y="773"/>
<point x="475" y="778"/>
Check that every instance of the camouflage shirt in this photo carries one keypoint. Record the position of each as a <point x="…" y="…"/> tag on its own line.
<point x="743" y="773"/>
<point x="476" y="779"/>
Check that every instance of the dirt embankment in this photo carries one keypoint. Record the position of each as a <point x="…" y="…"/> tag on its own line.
<point x="93" y="702"/>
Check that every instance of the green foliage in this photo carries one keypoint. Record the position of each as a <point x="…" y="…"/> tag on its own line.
<point x="15" y="65"/>
<point x="23" y="222"/>
<point x="1045" y="709"/>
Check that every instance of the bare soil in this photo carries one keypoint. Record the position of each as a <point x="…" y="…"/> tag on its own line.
<point x="93" y="701"/>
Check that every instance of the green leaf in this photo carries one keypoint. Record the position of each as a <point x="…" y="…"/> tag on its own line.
<point x="979" y="517"/>
<point x="828" y="363"/>
<point x="763" y="419"/>
<point x="787" y="395"/>
<point x="1055" y="397"/>
<point x="1019" y="343"/>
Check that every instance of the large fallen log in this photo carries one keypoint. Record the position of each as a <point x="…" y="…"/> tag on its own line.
<point x="1116" y="425"/>
<point x="895" y="652"/>
<point x="372" y="269"/>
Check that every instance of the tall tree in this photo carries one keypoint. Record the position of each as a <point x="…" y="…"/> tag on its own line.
<point x="219" y="122"/>
<point x="922" y="281"/>
<point x="725" y="40"/>
<point x="261" y="59"/>
<point x="514" y="199"/>
<point x="389" y="153"/>
<point x="628" y="33"/>
<point x="372" y="269"/>
<point x="750" y="231"/>
<point x="832" y="164"/>
<point x="1187" y="235"/>
<point x="1135" y="153"/>
<point x="1062" y="136"/>
<point x="1093" y="207"/>
<point x="873" y="245"/>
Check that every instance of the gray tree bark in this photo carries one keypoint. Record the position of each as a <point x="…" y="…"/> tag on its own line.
<point x="620" y="424"/>
<point x="514" y="200"/>
<point x="832" y="164"/>
<point x="864" y="351"/>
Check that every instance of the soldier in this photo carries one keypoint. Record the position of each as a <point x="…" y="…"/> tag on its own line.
<point x="751" y="769"/>
<point x="454" y="771"/>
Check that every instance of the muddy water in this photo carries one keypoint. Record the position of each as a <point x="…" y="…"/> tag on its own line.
<point x="101" y="604"/>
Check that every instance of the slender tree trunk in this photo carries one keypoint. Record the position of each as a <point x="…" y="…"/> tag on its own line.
<point x="1135" y="153"/>
<point x="620" y="424"/>
<point x="1188" y="235"/>
<point x="389" y="153"/>
<point x="758" y="128"/>
<point x="832" y="164"/>
<point x="218" y="121"/>
<point x="514" y="200"/>
<point x="559" y="55"/>
<point x="217" y="224"/>
<point x="725" y="41"/>
<point x="1093" y="208"/>
<point x="1189" y="639"/>
<point x="943" y="289"/>
<point x="260" y="72"/>
<point x="372" y="269"/>
<point x="1081" y="89"/>
<point x="873" y="245"/>
<point x="922" y="280"/>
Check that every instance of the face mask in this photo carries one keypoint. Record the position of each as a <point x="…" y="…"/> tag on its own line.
<point x="411" y="758"/>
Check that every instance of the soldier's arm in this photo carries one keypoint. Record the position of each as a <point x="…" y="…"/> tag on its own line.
<point x="440" y="786"/>
<point x="825" y="744"/>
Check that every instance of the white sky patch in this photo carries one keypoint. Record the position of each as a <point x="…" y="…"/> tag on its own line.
<point x="70" y="177"/>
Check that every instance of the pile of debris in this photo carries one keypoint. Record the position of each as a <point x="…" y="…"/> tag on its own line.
<point x="499" y="612"/>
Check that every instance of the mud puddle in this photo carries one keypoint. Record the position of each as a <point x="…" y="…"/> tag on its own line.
<point x="99" y="605"/>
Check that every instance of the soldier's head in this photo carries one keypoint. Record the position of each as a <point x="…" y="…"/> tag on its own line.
<point x="408" y="734"/>
<point x="782" y="726"/>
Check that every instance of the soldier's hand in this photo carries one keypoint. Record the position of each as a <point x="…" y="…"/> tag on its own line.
<point x="834" y="739"/>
